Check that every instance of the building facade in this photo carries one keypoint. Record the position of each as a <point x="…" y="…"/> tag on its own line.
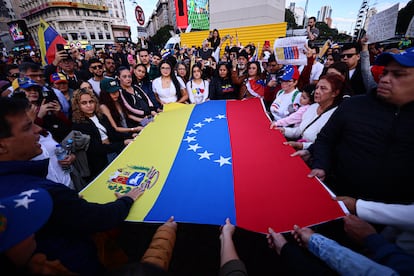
<point x="100" y="22"/>
<point x="324" y="13"/>
<point x="163" y="15"/>
<point x="238" y="13"/>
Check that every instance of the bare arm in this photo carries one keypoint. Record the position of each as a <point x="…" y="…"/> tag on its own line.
<point x="105" y="110"/>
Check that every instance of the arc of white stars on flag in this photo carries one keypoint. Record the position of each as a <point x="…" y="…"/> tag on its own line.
<point x="29" y="192"/>
<point x="205" y="155"/>
<point x="190" y="139"/>
<point x="200" y="125"/>
<point x="223" y="161"/>
<point x="194" y="147"/>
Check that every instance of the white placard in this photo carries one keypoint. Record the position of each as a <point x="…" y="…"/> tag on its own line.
<point x="382" y="25"/>
<point x="291" y="50"/>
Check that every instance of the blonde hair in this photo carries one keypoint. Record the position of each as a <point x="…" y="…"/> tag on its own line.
<point x="77" y="115"/>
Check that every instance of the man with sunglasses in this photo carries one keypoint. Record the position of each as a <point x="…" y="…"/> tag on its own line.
<point x="12" y="74"/>
<point x="96" y="68"/>
<point x="350" y="55"/>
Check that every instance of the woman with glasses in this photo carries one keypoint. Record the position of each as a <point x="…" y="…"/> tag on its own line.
<point x="254" y="85"/>
<point x="197" y="88"/>
<point x="137" y="102"/>
<point x="221" y="86"/>
<point x="105" y="143"/>
<point x="169" y="88"/>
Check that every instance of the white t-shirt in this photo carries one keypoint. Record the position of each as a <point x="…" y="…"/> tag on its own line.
<point x="166" y="95"/>
<point x="197" y="93"/>
<point x="54" y="172"/>
<point x="280" y="106"/>
<point x="316" y="71"/>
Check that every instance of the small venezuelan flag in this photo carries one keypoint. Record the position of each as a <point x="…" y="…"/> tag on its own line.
<point x="48" y="38"/>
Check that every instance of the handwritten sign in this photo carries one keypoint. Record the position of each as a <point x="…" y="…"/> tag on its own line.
<point x="291" y="50"/>
<point x="382" y="25"/>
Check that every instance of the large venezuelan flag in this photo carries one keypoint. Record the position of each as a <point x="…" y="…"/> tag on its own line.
<point x="48" y="38"/>
<point x="218" y="159"/>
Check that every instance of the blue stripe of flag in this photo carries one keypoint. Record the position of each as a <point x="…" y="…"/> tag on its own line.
<point x="200" y="183"/>
<point x="288" y="52"/>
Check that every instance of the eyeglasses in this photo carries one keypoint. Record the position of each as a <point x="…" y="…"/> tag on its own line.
<point x="97" y="67"/>
<point x="348" y="55"/>
<point x="15" y="75"/>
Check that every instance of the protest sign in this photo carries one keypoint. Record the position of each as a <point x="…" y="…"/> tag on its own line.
<point x="291" y="50"/>
<point x="382" y="25"/>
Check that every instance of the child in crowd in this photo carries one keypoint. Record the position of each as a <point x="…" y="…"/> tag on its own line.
<point x="295" y="118"/>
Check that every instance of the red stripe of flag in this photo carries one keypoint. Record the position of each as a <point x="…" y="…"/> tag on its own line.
<point x="274" y="192"/>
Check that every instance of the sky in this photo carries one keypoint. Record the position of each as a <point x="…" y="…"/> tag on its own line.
<point x="343" y="12"/>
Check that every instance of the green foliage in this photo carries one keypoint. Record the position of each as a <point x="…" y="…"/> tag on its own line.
<point x="404" y="17"/>
<point x="162" y="35"/>
<point x="325" y="32"/>
<point x="290" y="19"/>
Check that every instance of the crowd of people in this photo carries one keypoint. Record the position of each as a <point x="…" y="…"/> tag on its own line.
<point x="346" y="113"/>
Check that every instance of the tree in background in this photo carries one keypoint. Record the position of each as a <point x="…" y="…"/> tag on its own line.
<point x="325" y="32"/>
<point x="290" y="19"/>
<point x="162" y="36"/>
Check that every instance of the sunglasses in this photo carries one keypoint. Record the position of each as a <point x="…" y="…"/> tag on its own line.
<point x="347" y="55"/>
<point x="16" y="75"/>
<point x="97" y="67"/>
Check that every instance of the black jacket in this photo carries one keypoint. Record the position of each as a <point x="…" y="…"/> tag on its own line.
<point x="97" y="152"/>
<point x="367" y="148"/>
<point x="222" y="89"/>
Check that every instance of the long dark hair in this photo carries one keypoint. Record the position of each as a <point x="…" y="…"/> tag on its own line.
<point x="173" y="78"/>
<point x="228" y="67"/>
<point x="259" y="68"/>
<point x="106" y="99"/>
